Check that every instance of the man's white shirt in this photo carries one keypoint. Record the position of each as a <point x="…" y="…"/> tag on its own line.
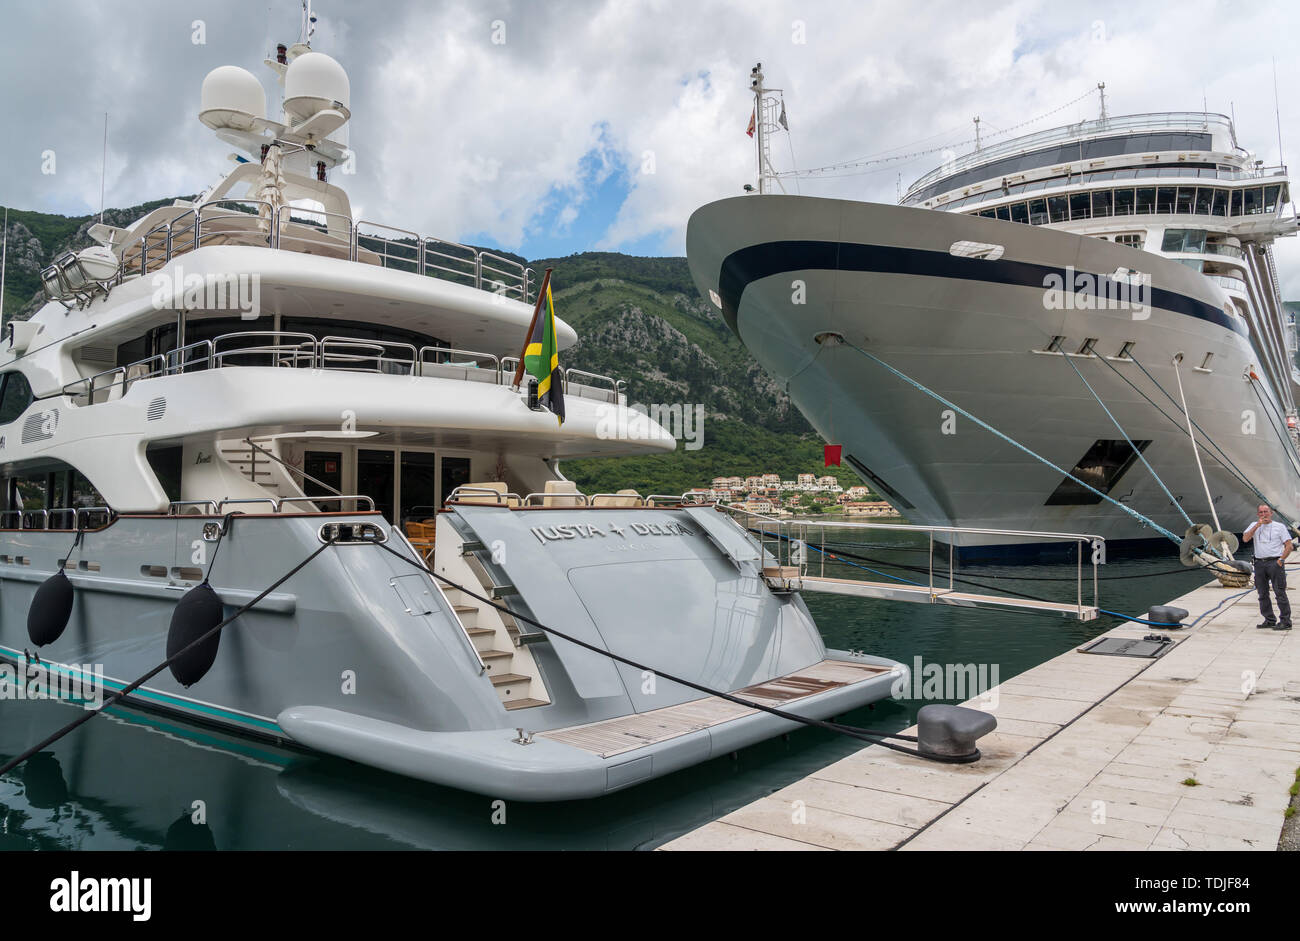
<point x="1270" y="539"/>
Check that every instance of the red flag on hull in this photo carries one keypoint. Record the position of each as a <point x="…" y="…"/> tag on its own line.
<point x="831" y="454"/>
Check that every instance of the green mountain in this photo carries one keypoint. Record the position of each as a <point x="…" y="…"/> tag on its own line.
<point x="638" y="319"/>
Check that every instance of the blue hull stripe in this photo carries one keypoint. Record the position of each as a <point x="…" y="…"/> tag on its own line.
<point x="151" y="696"/>
<point x="743" y="267"/>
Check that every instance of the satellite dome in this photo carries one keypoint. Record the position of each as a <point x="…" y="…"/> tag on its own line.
<point x="313" y="83"/>
<point x="231" y="98"/>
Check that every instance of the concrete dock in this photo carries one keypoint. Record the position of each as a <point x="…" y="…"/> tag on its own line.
<point x="1194" y="750"/>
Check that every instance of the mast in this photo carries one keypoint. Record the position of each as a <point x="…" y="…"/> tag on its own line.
<point x="767" y="118"/>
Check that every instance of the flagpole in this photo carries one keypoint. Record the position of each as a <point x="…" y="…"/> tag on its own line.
<point x="537" y="309"/>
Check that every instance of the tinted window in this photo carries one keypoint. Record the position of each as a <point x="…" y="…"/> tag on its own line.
<point x="16" y="397"/>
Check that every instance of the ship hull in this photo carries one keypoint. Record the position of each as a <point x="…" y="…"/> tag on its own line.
<point x="975" y="333"/>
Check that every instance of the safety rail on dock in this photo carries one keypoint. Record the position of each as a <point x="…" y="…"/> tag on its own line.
<point x="787" y="547"/>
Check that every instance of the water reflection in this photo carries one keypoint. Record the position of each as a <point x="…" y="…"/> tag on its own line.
<point x="131" y="780"/>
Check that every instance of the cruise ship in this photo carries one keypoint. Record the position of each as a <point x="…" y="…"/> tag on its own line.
<point x="1075" y="330"/>
<point x="255" y="405"/>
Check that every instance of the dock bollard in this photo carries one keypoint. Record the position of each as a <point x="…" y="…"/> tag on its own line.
<point x="951" y="731"/>
<point x="1162" y="615"/>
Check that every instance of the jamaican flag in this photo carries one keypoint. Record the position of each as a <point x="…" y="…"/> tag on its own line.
<point x="542" y="354"/>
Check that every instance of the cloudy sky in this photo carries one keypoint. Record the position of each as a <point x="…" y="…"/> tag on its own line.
<point x="551" y="126"/>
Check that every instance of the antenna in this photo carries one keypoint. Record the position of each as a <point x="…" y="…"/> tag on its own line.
<point x="1101" y="90"/>
<point x="103" y="170"/>
<point x="1277" y="111"/>
<point x="977" y="133"/>
<point x="308" y="23"/>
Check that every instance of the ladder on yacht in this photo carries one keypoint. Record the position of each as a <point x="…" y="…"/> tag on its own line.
<point x="795" y="557"/>
<point x="258" y="468"/>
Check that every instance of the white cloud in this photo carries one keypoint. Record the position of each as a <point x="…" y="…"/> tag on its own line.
<point x="457" y="136"/>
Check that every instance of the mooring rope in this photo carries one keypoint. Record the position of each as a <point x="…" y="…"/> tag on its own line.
<point x="1220" y="454"/>
<point x="136" y="684"/>
<point x="1136" y="450"/>
<point x="872" y="736"/>
<point x="1013" y="442"/>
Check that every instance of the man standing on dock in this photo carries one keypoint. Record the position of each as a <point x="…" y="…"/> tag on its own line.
<point x="1273" y="544"/>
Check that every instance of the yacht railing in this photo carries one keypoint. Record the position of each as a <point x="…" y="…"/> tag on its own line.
<point x="317" y="232"/>
<point x="277" y="348"/>
<point x="78" y="517"/>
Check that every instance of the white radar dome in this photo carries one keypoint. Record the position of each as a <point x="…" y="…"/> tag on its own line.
<point x="313" y="83"/>
<point x="231" y="98"/>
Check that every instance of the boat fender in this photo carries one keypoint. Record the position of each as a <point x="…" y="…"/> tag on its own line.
<point x="51" y="608"/>
<point x="198" y="612"/>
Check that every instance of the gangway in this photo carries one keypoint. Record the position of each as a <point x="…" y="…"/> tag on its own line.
<point x="787" y="548"/>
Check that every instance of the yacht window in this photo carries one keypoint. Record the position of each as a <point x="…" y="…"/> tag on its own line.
<point x="1037" y="211"/>
<point x="1080" y="206"/>
<point x="1220" y="207"/>
<point x="1004" y="213"/>
<point x="15" y="398"/>
<point x="1236" y="202"/>
<point x="1101" y="468"/>
<point x="1270" y="198"/>
<point x="1165" y="199"/>
<point x="1101" y="201"/>
<point x="455" y="473"/>
<point x="1058" y="208"/>
<point x="1251" y="201"/>
<point x="1132" y="240"/>
<point x="1146" y="199"/>
<point x="989" y="213"/>
<point x="1204" y="196"/>
<point x="1124" y="202"/>
<point x="1019" y="212"/>
<point x="1183" y="203"/>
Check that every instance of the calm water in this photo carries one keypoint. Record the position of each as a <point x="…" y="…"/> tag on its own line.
<point x="129" y="780"/>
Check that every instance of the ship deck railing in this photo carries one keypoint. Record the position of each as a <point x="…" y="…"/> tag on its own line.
<point x="252" y="222"/>
<point x="1199" y="120"/>
<point x="796" y="554"/>
<point x="294" y="350"/>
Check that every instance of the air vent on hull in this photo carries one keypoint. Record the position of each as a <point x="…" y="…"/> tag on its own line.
<point x="40" y="426"/>
<point x="157" y="408"/>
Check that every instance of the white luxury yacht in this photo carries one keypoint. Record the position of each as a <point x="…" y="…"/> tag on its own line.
<point x="254" y="380"/>
<point x="1103" y="294"/>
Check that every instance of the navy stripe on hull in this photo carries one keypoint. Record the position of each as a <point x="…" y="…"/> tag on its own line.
<point x="743" y="267"/>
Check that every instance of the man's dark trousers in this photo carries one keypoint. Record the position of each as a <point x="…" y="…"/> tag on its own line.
<point x="1271" y="572"/>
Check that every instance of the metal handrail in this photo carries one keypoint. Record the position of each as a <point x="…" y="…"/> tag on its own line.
<point x="500" y="497"/>
<point x="1082" y="130"/>
<point x="293" y="351"/>
<point x="542" y="496"/>
<point x="366" y="350"/>
<point x="789" y="534"/>
<point x="337" y="498"/>
<point x="275" y="504"/>
<point x="175" y="505"/>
